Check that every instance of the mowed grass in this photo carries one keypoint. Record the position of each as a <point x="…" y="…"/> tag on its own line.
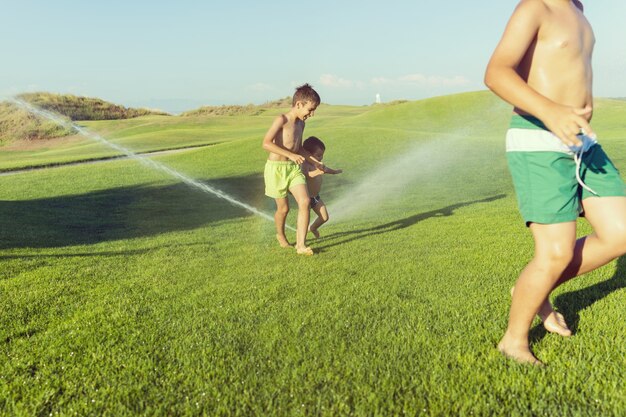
<point x="146" y="134"/>
<point x="124" y="292"/>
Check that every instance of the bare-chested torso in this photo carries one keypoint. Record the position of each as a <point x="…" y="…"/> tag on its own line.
<point x="314" y="184"/>
<point x="289" y="137"/>
<point x="558" y="63"/>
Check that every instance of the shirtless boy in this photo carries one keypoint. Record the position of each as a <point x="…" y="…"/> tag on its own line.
<point x="314" y="177"/>
<point x="542" y="66"/>
<point x="283" y="141"/>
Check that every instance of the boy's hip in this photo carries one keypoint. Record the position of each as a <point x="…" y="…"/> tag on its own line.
<point x="283" y="170"/>
<point x="529" y="134"/>
<point x="270" y="162"/>
<point x="280" y="176"/>
<point x="547" y="187"/>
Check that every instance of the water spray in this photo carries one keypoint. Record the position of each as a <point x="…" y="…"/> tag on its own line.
<point x="418" y="162"/>
<point x="142" y="159"/>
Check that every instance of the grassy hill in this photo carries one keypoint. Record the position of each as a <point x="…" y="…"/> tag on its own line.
<point x="84" y="108"/>
<point x="16" y="123"/>
<point x="125" y="292"/>
<point x="247" y="110"/>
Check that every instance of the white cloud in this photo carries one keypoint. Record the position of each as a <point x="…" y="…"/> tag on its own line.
<point x="408" y="80"/>
<point x="434" y="80"/>
<point x="422" y="80"/>
<point x="331" y="80"/>
<point x="381" y="80"/>
<point x="260" y="87"/>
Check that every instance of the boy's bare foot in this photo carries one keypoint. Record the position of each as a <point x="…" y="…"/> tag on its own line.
<point x="553" y="322"/>
<point x="520" y="354"/>
<point x="307" y="251"/>
<point x="283" y="242"/>
<point x="315" y="232"/>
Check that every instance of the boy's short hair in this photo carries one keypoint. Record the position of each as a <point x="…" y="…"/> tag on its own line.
<point x="306" y="93"/>
<point x="312" y="143"/>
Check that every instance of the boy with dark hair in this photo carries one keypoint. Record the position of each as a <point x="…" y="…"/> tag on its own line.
<point x="305" y="93"/>
<point x="313" y="176"/>
<point x="282" y="173"/>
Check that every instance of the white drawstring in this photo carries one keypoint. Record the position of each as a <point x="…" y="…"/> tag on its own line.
<point x="588" y="142"/>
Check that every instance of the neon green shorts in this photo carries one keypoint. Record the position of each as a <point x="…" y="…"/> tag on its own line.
<point x="544" y="173"/>
<point x="280" y="176"/>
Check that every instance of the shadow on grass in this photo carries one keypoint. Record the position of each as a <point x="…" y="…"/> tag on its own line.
<point x="122" y="213"/>
<point x="572" y="303"/>
<point x="345" y="237"/>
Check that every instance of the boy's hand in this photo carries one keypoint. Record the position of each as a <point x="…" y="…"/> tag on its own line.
<point x="568" y="122"/>
<point x="317" y="172"/>
<point x="297" y="158"/>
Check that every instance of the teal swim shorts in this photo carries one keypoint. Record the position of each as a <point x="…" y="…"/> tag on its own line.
<point x="280" y="176"/>
<point x="544" y="173"/>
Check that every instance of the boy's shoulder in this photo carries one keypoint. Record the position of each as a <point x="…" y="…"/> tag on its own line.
<point x="287" y="118"/>
<point x="544" y="5"/>
<point x="530" y="13"/>
<point x="533" y="5"/>
<point x="282" y="118"/>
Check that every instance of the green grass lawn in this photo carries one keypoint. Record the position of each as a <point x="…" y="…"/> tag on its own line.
<point x="125" y="292"/>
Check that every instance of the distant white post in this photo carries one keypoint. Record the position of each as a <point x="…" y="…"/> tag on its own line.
<point x="377" y="98"/>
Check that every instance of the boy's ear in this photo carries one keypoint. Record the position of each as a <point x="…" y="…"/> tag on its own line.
<point x="301" y="103"/>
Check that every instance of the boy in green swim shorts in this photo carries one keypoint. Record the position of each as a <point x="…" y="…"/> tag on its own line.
<point x="550" y="181"/>
<point x="542" y="66"/>
<point x="282" y="174"/>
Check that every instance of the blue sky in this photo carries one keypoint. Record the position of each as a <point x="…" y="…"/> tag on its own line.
<point x="178" y="55"/>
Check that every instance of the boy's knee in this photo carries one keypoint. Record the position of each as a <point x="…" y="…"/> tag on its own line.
<point x="282" y="209"/>
<point x="304" y="203"/>
<point x="617" y="242"/>
<point x="558" y="256"/>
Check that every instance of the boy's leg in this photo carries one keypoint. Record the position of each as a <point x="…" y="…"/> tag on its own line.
<point x="554" y="245"/>
<point x="322" y="217"/>
<point x="553" y="321"/>
<point x="282" y="209"/>
<point x="607" y="217"/>
<point x="301" y="195"/>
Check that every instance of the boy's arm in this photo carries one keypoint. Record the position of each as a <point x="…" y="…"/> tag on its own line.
<point x="312" y="173"/>
<point x="270" y="146"/>
<point x="309" y="158"/>
<point x="503" y="79"/>
<point x="328" y="170"/>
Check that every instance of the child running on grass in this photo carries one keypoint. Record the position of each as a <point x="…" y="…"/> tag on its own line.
<point x="282" y="174"/>
<point x="542" y="66"/>
<point x="314" y="177"/>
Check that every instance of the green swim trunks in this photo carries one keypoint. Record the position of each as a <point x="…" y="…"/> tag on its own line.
<point x="544" y="173"/>
<point x="280" y="176"/>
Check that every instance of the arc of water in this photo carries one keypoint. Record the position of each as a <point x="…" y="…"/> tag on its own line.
<point x="140" y="158"/>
